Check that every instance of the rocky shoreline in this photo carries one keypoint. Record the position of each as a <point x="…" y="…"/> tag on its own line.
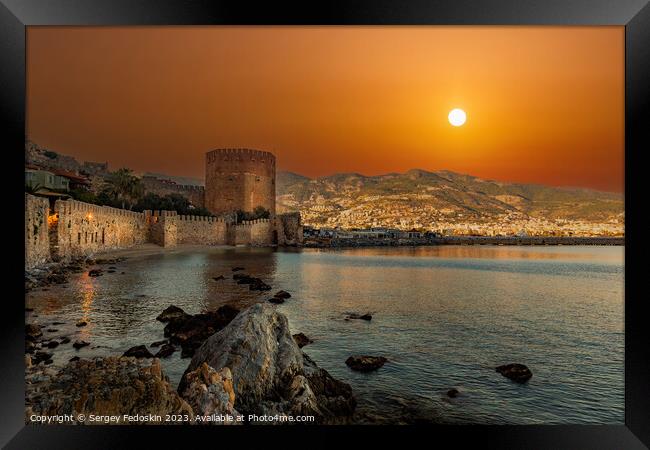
<point x="246" y="364"/>
<point x="243" y="364"/>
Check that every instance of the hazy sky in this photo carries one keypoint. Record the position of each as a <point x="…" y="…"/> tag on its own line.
<point x="544" y="104"/>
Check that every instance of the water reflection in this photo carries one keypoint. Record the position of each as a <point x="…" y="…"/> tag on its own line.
<point x="443" y="316"/>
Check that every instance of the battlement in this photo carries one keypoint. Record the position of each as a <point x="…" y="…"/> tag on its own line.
<point x="253" y="222"/>
<point x="210" y="219"/>
<point x="240" y="154"/>
<point x="72" y="206"/>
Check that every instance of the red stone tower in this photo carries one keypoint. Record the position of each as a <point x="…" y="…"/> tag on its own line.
<point x="239" y="179"/>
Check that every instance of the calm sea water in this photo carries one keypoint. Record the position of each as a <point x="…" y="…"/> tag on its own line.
<point x="443" y="316"/>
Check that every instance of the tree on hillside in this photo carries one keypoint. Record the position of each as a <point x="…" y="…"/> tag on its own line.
<point x="170" y="202"/>
<point x="123" y="187"/>
<point x="259" y="212"/>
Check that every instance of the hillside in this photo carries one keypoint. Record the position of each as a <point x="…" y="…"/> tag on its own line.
<point x="423" y="199"/>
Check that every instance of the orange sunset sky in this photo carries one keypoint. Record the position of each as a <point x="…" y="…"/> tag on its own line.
<point x="544" y="104"/>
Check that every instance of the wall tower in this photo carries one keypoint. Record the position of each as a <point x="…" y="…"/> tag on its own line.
<point x="239" y="179"/>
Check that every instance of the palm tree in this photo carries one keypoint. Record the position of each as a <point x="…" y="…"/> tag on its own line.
<point x="125" y="187"/>
<point x="33" y="188"/>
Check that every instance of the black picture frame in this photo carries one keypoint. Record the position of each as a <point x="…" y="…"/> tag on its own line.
<point x="16" y="15"/>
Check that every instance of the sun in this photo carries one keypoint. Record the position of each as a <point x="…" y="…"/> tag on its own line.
<point x="457" y="117"/>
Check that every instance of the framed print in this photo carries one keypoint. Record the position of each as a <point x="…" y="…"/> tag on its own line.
<point x="350" y="219"/>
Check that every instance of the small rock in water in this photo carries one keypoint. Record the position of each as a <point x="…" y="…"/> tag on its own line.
<point x="95" y="273"/>
<point x="65" y="340"/>
<point x="79" y="344"/>
<point x="111" y="271"/>
<point x="74" y="358"/>
<point x="52" y="330"/>
<point x="81" y="323"/>
<point x="33" y="331"/>
<point x="301" y="340"/>
<point x="259" y="285"/>
<point x="170" y="313"/>
<point x="52" y="344"/>
<point x="112" y="268"/>
<point x="237" y="269"/>
<point x="516" y="372"/>
<point x="453" y="393"/>
<point x="365" y="363"/>
<point x="41" y="357"/>
<point x="282" y="294"/>
<point x="276" y="300"/>
<point x="219" y="278"/>
<point x="139" y="351"/>
<point x="165" y="351"/>
<point x="159" y="343"/>
<point x="366" y="316"/>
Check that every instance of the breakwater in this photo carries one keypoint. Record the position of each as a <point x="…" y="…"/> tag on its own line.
<point x="463" y="240"/>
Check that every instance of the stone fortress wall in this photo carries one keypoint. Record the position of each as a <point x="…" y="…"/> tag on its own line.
<point x="195" y="194"/>
<point x="73" y="229"/>
<point x="80" y="228"/>
<point x="236" y="179"/>
<point x="37" y="241"/>
<point x="239" y="179"/>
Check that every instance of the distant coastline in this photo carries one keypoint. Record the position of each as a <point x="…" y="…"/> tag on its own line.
<point x="465" y="240"/>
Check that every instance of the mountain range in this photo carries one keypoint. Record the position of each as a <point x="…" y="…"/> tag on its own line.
<point x="439" y="195"/>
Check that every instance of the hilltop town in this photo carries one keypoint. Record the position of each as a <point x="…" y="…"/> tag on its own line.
<point x="449" y="204"/>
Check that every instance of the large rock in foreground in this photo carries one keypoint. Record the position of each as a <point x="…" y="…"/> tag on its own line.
<point x="104" y="386"/>
<point x="269" y="371"/>
<point x="210" y="392"/>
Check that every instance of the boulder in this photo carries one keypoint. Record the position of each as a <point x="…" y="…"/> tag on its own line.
<point x="39" y="357"/>
<point x="210" y="392"/>
<point x="301" y="340"/>
<point x="171" y="312"/>
<point x="165" y="351"/>
<point x="282" y="294"/>
<point x="33" y="332"/>
<point x="259" y="285"/>
<point x="365" y="363"/>
<point x="139" y="351"/>
<point x="270" y="373"/>
<point x="516" y="372"/>
<point x="104" y="386"/>
<point x="79" y="344"/>
<point x="189" y="331"/>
